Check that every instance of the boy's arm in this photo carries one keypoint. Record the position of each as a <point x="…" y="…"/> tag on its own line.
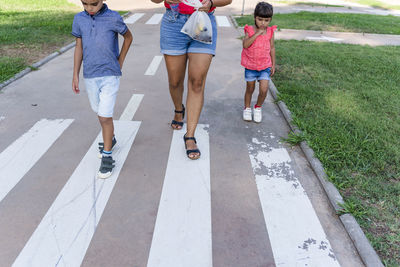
<point x="77" y="65"/>
<point x="273" y="54"/>
<point x="125" y="47"/>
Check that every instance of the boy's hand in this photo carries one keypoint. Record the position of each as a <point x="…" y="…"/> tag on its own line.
<point x="75" y="85"/>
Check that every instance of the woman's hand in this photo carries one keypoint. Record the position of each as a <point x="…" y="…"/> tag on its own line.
<point x="206" y="6"/>
<point x="172" y="2"/>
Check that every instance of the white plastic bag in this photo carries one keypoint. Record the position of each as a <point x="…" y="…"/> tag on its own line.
<point x="199" y="27"/>
<point x="194" y="3"/>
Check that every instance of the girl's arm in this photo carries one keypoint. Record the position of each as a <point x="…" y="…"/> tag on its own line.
<point x="273" y="54"/>
<point x="77" y="65"/>
<point x="125" y="47"/>
<point x="248" y="41"/>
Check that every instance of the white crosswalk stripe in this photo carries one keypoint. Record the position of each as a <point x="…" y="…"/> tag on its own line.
<point x="17" y="159"/>
<point x="295" y="233"/>
<point x="222" y="21"/>
<point x="155" y="19"/>
<point x="182" y="234"/>
<point x="65" y="232"/>
<point x="135" y="17"/>
<point x="153" y="67"/>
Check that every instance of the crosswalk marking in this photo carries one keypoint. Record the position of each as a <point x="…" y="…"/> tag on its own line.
<point x="152" y="69"/>
<point x="296" y="235"/>
<point x="222" y="21"/>
<point x="65" y="232"/>
<point x="155" y="19"/>
<point x="182" y="234"/>
<point x="17" y="159"/>
<point x="135" y="17"/>
<point x="131" y="108"/>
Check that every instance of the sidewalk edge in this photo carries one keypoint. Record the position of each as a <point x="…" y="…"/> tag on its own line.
<point x="367" y="253"/>
<point x="43" y="61"/>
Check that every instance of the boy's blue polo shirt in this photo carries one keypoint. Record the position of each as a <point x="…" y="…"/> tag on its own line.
<point x="99" y="35"/>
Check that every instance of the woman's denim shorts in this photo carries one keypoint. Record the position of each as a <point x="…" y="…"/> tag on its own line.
<point x="253" y="75"/>
<point x="173" y="42"/>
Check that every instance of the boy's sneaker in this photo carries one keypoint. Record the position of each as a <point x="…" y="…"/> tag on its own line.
<point x="101" y="147"/>
<point x="247" y="114"/>
<point x="257" y="114"/>
<point x="106" y="167"/>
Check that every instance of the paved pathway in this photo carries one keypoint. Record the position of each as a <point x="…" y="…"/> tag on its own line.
<point x="249" y="201"/>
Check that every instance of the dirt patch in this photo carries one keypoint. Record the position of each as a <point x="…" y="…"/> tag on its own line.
<point x="31" y="53"/>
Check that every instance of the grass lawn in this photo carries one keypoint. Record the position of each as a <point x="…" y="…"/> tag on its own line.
<point x="332" y="22"/>
<point x="30" y="30"/>
<point x="346" y="100"/>
<point x="376" y="3"/>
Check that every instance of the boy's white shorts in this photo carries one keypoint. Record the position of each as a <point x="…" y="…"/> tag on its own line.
<point x="102" y="93"/>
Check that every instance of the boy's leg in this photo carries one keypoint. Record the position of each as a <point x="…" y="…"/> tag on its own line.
<point x="107" y="127"/>
<point x="250" y="86"/>
<point x="263" y="92"/>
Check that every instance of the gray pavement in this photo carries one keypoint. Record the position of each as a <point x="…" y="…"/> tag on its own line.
<point x="243" y="228"/>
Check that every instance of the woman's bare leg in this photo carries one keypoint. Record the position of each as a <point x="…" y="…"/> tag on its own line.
<point x="176" y="68"/>
<point x="197" y="74"/>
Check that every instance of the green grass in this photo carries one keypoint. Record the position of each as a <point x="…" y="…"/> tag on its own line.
<point x="332" y="22"/>
<point x="306" y="3"/>
<point x="31" y="29"/>
<point x="376" y="4"/>
<point x="346" y="100"/>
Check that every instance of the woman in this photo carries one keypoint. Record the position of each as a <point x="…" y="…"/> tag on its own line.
<point x="180" y="51"/>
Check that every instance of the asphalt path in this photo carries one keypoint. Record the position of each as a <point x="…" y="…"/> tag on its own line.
<point x="250" y="200"/>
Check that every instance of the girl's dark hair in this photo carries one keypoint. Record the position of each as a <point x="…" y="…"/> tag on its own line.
<point x="263" y="10"/>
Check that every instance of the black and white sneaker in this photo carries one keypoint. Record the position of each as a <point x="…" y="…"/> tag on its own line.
<point x="106" y="167"/>
<point x="101" y="147"/>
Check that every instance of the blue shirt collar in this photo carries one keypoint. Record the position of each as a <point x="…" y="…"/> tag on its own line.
<point x="103" y="9"/>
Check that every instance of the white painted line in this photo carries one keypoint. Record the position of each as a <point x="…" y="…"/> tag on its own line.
<point x="222" y="21"/>
<point x="155" y="19"/>
<point x="65" y="232"/>
<point x="152" y="69"/>
<point x="135" y="17"/>
<point x="17" y="159"/>
<point x="296" y="235"/>
<point x="182" y="234"/>
<point x="131" y="108"/>
<point x="324" y="38"/>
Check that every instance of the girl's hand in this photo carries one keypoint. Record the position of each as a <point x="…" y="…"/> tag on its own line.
<point x="172" y="2"/>
<point x="206" y="6"/>
<point x="272" y="70"/>
<point x="260" y="31"/>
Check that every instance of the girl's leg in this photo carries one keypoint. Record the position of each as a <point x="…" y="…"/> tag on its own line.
<point x="263" y="92"/>
<point x="176" y="68"/>
<point x="197" y="74"/>
<point x="249" y="93"/>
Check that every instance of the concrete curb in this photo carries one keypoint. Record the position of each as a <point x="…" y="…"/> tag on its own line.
<point x="43" y="61"/>
<point x="364" y="248"/>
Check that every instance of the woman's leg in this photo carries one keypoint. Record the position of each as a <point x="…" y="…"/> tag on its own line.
<point x="197" y="74"/>
<point x="249" y="93"/>
<point x="176" y="68"/>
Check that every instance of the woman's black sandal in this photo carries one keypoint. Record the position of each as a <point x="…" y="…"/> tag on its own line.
<point x="190" y="151"/>
<point x="179" y="123"/>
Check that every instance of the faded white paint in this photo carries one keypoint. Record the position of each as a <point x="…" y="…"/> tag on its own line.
<point x="222" y="21"/>
<point x="152" y="69"/>
<point x="182" y="234"/>
<point x="17" y="159"/>
<point x="155" y="19"/>
<point x="131" y="108"/>
<point x="65" y="232"/>
<point x="296" y="235"/>
<point x="135" y="17"/>
<point x="324" y="38"/>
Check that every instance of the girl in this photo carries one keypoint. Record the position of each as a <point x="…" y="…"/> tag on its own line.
<point x="258" y="58"/>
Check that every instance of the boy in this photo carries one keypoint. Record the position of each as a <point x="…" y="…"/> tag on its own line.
<point x="96" y="30"/>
